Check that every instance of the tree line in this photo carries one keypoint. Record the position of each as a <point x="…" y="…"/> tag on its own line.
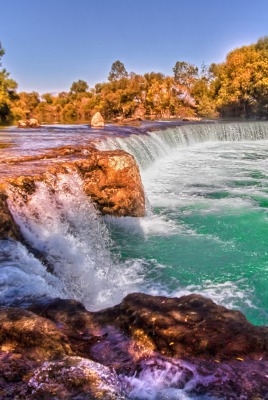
<point x="238" y="87"/>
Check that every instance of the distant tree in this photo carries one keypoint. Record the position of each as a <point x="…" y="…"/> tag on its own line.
<point x="2" y="52"/>
<point x="185" y="74"/>
<point x="48" y="98"/>
<point x="28" y="102"/>
<point x="79" y="87"/>
<point x="117" y="72"/>
<point x="7" y="91"/>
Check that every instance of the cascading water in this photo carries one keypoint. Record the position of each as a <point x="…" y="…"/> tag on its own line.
<point x="148" y="148"/>
<point x="207" y="186"/>
<point x="60" y="222"/>
<point x="206" y="232"/>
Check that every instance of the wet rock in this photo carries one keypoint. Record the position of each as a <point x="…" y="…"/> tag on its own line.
<point x="144" y="325"/>
<point x="191" y="326"/>
<point x="113" y="181"/>
<point x="58" y="349"/>
<point x="75" y="378"/>
<point x="97" y="121"/>
<point x="28" y="123"/>
<point x="24" y="332"/>
<point x="8" y="227"/>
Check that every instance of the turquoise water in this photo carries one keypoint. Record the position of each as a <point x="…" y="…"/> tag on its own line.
<point x="207" y="229"/>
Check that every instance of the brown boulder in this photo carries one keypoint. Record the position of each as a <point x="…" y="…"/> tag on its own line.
<point x="195" y="345"/>
<point x="187" y="327"/>
<point x="190" y="326"/>
<point x="113" y="181"/>
<point x="24" y="332"/>
<point x="97" y="121"/>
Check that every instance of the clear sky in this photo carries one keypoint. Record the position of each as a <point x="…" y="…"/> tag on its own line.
<point x="51" y="43"/>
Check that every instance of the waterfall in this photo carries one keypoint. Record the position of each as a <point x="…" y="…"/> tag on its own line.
<point x="61" y="223"/>
<point x="150" y="146"/>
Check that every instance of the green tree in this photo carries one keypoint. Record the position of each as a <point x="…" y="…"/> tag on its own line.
<point x="117" y="72"/>
<point x="7" y="91"/>
<point x="79" y="87"/>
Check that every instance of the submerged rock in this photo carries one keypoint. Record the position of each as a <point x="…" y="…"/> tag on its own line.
<point x="97" y="121"/>
<point x="28" y="123"/>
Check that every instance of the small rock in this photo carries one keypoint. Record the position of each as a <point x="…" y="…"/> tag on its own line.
<point x="97" y="121"/>
<point x="28" y="123"/>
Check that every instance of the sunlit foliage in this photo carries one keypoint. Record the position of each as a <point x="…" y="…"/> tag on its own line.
<point x="237" y="87"/>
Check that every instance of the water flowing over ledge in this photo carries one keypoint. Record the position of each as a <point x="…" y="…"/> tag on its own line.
<point x="160" y="141"/>
<point x="146" y="347"/>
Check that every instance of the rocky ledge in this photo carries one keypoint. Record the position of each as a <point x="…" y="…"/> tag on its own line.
<point x="58" y="350"/>
<point x="110" y="178"/>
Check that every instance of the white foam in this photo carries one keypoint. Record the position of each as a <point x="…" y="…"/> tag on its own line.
<point x="60" y="220"/>
<point x="233" y="295"/>
<point x="161" y="379"/>
<point x="22" y="276"/>
<point x="151" y="225"/>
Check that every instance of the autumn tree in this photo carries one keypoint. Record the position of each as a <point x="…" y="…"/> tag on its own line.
<point x="241" y="82"/>
<point x="185" y="73"/>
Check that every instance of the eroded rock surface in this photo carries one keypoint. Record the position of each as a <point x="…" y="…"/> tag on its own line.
<point x="110" y="178"/>
<point x="60" y="349"/>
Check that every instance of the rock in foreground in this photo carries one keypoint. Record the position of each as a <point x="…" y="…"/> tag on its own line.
<point x="61" y="350"/>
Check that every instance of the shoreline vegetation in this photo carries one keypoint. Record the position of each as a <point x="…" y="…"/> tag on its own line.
<point x="236" y="88"/>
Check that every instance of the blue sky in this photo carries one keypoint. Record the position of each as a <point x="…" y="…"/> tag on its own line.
<point x="51" y="43"/>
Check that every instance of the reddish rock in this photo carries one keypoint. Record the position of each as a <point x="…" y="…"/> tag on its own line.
<point x="113" y="181"/>
<point x="143" y="325"/>
<point x="61" y="350"/>
<point x="24" y="332"/>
